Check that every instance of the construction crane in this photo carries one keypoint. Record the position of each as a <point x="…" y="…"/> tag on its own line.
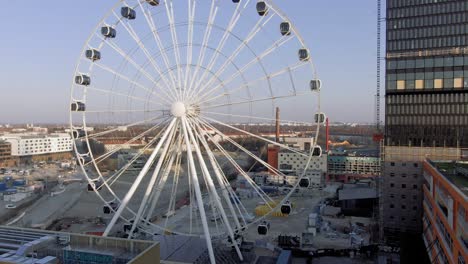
<point x="378" y="136"/>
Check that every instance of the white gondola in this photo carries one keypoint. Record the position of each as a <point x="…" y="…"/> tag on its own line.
<point x="83" y="80"/>
<point x="263" y="228"/>
<point x="93" y="54"/>
<point x="78" y="133"/>
<point x="317" y="152"/>
<point x="304" y="183"/>
<point x="108" y="32"/>
<point x="153" y="2"/>
<point x="320" y="118"/>
<point x="78" y="107"/>
<point x="315" y="85"/>
<point x="285" y="28"/>
<point x="286" y="208"/>
<point x="304" y="55"/>
<point x="262" y="8"/>
<point x="112" y="207"/>
<point x="128" y="13"/>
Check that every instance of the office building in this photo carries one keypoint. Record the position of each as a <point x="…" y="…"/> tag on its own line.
<point x="427" y="73"/>
<point x="426" y="103"/>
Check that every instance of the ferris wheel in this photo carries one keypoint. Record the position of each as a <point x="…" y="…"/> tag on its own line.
<point x="175" y="89"/>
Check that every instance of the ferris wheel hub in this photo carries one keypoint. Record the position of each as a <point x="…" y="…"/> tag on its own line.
<point x="178" y="109"/>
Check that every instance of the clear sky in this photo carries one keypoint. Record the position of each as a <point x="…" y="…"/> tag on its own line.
<point x="41" y="40"/>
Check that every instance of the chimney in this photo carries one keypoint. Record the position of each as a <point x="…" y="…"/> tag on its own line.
<point x="277" y="124"/>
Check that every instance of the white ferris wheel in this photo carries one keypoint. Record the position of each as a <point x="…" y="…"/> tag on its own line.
<point x="181" y="82"/>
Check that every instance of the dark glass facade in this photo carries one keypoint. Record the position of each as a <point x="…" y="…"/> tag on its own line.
<point x="427" y="73"/>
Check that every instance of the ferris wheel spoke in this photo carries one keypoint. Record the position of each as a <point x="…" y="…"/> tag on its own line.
<point x="124" y="111"/>
<point x="206" y="37"/>
<point x="255" y="60"/>
<point x="154" y="177"/>
<point x="123" y="95"/>
<point x="224" y="183"/>
<point x="127" y="57"/>
<point x="103" y="133"/>
<point x="244" y="174"/>
<point x="255" y="157"/>
<point x="130" y="81"/>
<point x="255" y="136"/>
<point x="191" y="15"/>
<point x="156" y="192"/>
<point x="261" y="118"/>
<point x="175" y="41"/>
<point x="245" y="43"/>
<point x="219" y="177"/>
<point x="114" y="178"/>
<point x="196" y="185"/>
<point x="157" y="39"/>
<point x="252" y="101"/>
<point x="212" y="189"/>
<point x="139" y="178"/>
<point x="227" y="33"/>
<point x="267" y="77"/>
<point x="104" y="156"/>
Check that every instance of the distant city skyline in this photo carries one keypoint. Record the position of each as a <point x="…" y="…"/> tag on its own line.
<point x="39" y="52"/>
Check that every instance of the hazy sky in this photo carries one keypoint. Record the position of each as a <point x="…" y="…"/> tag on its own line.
<point x="41" y="40"/>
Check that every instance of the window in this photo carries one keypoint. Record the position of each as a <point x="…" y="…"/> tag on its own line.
<point x="392" y="206"/>
<point x="392" y="185"/>
<point x="458" y="83"/>
<point x="403" y="186"/>
<point x="403" y="206"/>
<point x="401" y="84"/>
<point x="438" y="83"/>
<point x="415" y="186"/>
<point x="419" y="84"/>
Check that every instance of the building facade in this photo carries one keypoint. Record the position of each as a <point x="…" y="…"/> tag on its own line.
<point x="427" y="73"/>
<point x="346" y="168"/>
<point x="6" y="159"/>
<point x="445" y="218"/>
<point x="31" y="144"/>
<point x="426" y="111"/>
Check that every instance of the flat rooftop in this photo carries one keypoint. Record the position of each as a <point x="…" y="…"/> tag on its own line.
<point x="455" y="172"/>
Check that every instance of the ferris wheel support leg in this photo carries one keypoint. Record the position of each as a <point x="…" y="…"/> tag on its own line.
<point x="213" y="191"/>
<point x="219" y="178"/>
<point x="138" y="180"/>
<point x="161" y="184"/>
<point x="153" y="180"/>
<point x="198" y="194"/>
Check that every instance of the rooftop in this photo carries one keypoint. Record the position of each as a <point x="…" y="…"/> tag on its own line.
<point x="455" y="172"/>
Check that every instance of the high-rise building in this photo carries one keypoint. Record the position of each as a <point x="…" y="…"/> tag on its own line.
<point x="427" y="73"/>
<point x="426" y="103"/>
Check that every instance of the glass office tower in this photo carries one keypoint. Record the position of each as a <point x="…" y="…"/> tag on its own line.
<point x="427" y="73"/>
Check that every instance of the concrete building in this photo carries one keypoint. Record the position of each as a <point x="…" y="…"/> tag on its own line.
<point x="38" y="144"/>
<point x="6" y="159"/>
<point x="292" y="163"/>
<point x="346" y="168"/>
<point x="426" y="99"/>
<point x="401" y="188"/>
<point x="445" y="217"/>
